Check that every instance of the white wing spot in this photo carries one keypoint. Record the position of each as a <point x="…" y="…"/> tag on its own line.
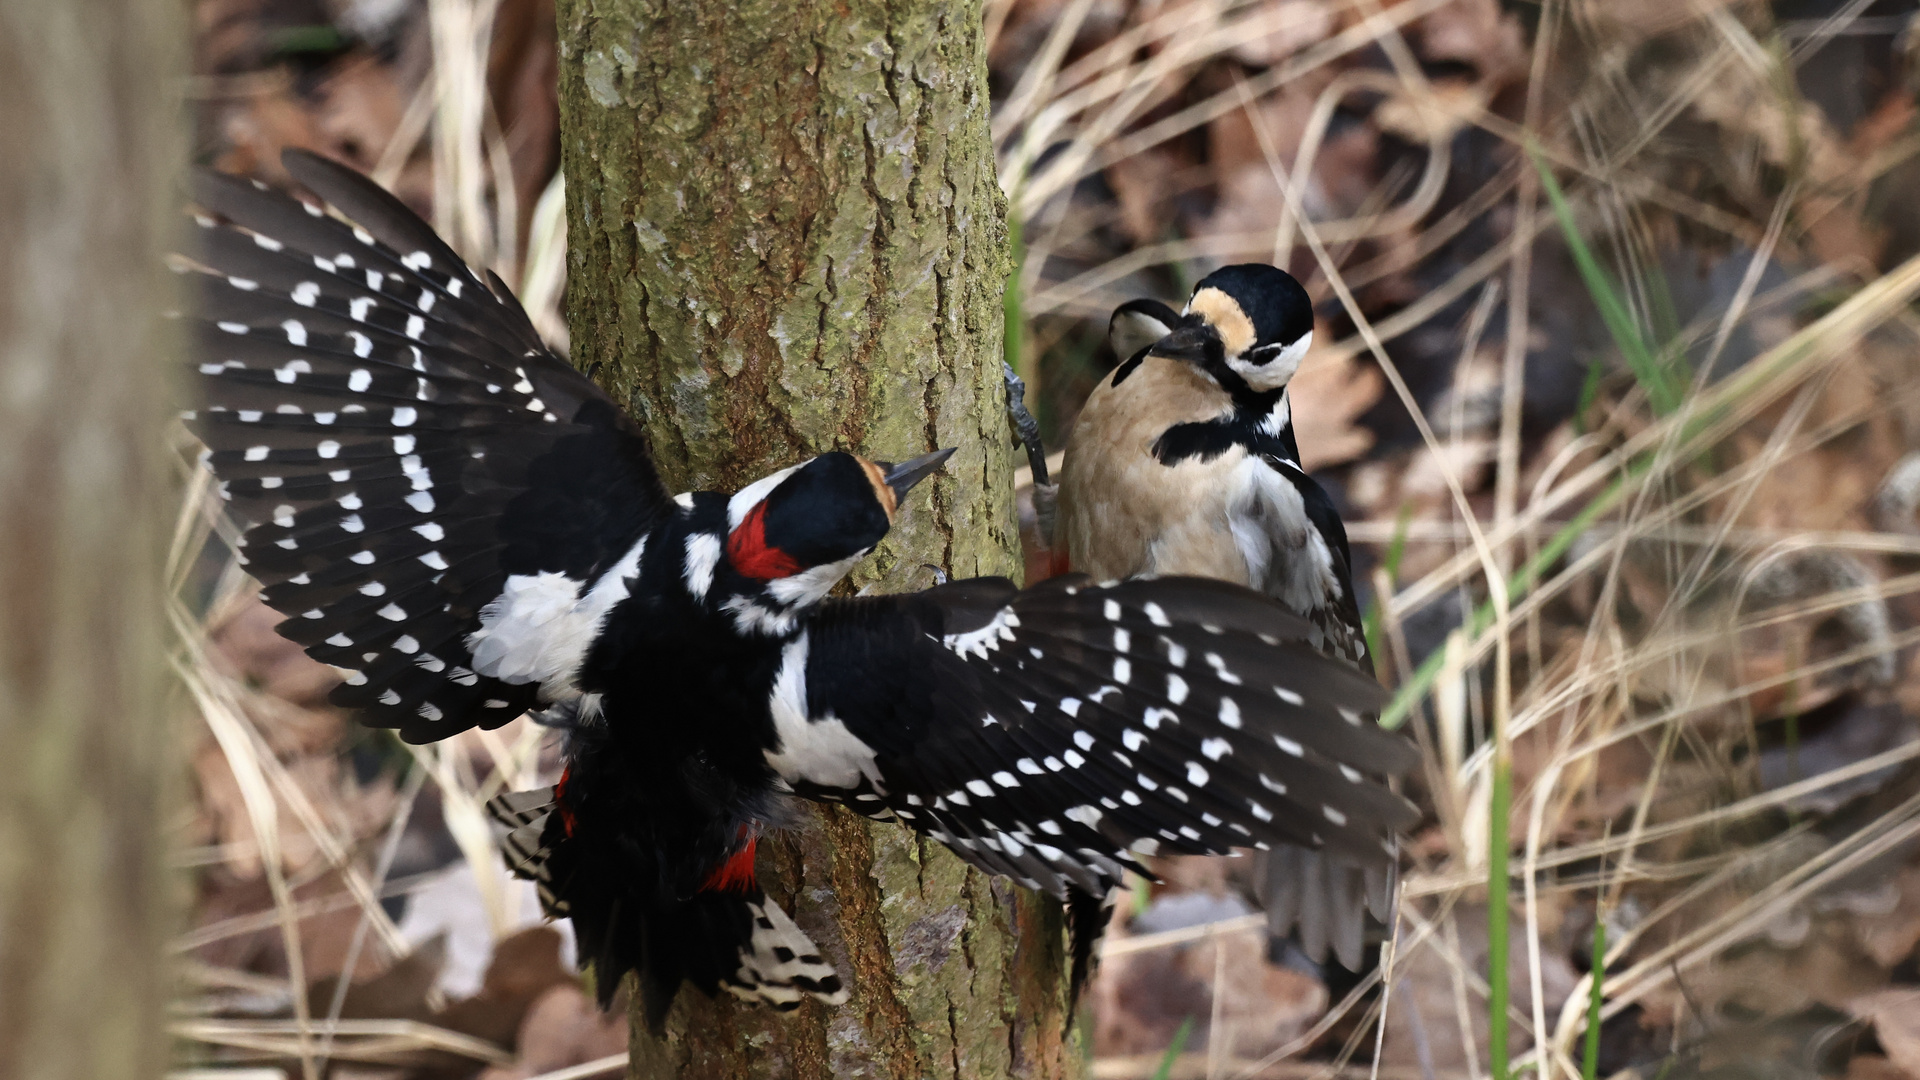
<point x="1215" y="749"/>
<point x="1220" y="669"/>
<point x="1230" y="713"/>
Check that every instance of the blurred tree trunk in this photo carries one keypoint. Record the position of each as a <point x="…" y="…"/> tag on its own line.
<point x="786" y="237"/>
<point x="91" y="128"/>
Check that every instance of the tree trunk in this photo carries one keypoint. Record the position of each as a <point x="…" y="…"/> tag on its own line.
<point x="91" y="129"/>
<point x="786" y="237"/>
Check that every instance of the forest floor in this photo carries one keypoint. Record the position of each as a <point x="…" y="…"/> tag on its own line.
<point x="1616" y="325"/>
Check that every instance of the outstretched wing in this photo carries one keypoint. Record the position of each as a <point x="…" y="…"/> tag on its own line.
<point x="439" y="505"/>
<point x="1055" y="733"/>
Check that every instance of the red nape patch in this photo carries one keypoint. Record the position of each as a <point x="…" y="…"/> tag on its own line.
<point x="748" y="551"/>
<point x="736" y="874"/>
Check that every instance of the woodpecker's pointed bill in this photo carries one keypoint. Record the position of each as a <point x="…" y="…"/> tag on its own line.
<point x="903" y="476"/>
<point x="1191" y="343"/>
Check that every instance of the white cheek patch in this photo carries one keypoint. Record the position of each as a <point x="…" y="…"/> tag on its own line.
<point x="1271" y="365"/>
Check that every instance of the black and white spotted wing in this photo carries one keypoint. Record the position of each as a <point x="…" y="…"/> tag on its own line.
<point x="1054" y="734"/>
<point x="408" y="453"/>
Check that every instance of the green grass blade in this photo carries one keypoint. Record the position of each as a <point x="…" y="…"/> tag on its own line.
<point x="1518" y="586"/>
<point x="1372" y="623"/>
<point x="1654" y="375"/>
<point x="1174" y="1050"/>
<point x="1498" y="887"/>
<point x="1590" y="1057"/>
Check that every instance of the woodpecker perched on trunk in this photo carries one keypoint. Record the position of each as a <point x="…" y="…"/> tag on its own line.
<point x="469" y="529"/>
<point x="1183" y="461"/>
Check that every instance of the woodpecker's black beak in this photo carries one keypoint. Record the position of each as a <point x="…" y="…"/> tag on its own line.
<point x="903" y="476"/>
<point x="1190" y="343"/>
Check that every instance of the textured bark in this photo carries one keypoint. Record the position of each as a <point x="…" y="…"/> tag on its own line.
<point x="787" y="238"/>
<point x="91" y="127"/>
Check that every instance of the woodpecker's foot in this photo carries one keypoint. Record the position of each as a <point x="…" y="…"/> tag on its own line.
<point x="1024" y="423"/>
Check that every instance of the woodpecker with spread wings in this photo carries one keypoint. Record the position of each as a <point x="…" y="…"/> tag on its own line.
<point x="1184" y="462"/>
<point x="470" y="529"/>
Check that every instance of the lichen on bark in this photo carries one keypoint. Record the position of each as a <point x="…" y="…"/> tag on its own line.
<point x="787" y="237"/>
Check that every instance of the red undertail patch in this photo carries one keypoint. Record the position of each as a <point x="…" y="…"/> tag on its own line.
<point x="736" y="874"/>
<point x="560" y="800"/>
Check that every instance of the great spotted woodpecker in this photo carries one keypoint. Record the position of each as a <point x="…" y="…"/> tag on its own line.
<point x="469" y="528"/>
<point x="1184" y="461"/>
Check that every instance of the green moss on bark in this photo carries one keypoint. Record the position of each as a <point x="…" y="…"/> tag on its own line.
<point x="787" y="237"/>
